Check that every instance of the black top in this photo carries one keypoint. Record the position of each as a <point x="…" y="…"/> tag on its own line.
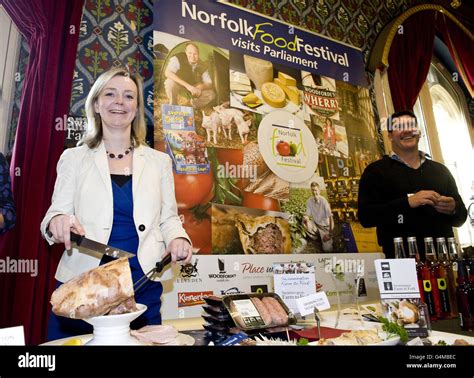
<point x="383" y="202"/>
<point x="121" y="180"/>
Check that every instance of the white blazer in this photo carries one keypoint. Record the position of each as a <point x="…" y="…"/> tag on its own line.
<point x="84" y="189"/>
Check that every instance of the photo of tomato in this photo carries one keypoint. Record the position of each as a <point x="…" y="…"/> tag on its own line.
<point x="191" y="190"/>
<point x="283" y="148"/>
<point x="258" y="201"/>
<point x="230" y="155"/>
<point x="198" y="230"/>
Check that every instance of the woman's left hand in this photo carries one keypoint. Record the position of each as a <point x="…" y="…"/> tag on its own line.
<point x="180" y="250"/>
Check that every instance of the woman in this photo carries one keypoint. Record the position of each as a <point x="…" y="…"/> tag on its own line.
<point x="7" y="207"/>
<point x="117" y="191"/>
<point x="329" y="134"/>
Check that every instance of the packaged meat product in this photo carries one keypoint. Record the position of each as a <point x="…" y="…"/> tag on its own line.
<point x="258" y="311"/>
<point x="216" y="328"/>
<point x="214" y="300"/>
<point x="219" y="313"/>
<point x="227" y="321"/>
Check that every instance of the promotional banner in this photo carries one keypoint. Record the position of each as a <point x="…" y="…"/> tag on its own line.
<point x="253" y="35"/>
<point x="184" y="292"/>
<point x="267" y="150"/>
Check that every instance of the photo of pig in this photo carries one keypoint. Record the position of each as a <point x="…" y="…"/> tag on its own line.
<point x="226" y="127"/>
<point x="212" y="123"/>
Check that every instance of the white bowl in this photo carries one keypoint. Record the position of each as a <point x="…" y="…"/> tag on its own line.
<point x="114" y="329"/>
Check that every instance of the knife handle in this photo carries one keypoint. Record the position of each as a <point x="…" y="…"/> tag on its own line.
<point x="76" y="238"/>
<point x="160" y="265"/>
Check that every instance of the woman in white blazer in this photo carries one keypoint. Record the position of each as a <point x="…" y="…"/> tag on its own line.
<point x="116" y="190"/>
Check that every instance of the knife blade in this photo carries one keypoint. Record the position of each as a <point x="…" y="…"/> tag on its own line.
<point x="104" y="249"/>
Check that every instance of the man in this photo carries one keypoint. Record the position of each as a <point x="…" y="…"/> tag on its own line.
<point x="406" y="194"/>
<point x="318" y="218"/>
<point x="187" y="73"/>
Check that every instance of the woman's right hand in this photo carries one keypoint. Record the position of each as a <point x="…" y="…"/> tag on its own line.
<point x="61" y="226"/>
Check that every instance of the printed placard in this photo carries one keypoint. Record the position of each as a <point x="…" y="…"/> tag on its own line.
<point x="307" y="304"/>
<point x="12" y="336"/>
<point x="294" y="280"/>
<point x="400" y="295"/>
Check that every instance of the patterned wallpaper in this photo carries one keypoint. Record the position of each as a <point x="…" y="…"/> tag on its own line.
<point x="23" y="59"/>
<point x="356" y="22"/>
<point x="113" y="33"/>
<point x="117" y="32"/>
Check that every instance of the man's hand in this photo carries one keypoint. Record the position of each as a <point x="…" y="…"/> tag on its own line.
<point x="61" y="226"/>
<point x="445" y="205"/>
<point x="195" y="91"/>
<point x="180" y="250"/>
<point x="423" y="197"/>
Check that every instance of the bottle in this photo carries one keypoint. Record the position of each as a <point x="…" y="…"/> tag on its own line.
<point x="454" y="254"/>
<point x="448" y="287"/>
<point x="442" y="278"/>
<point x="430" y="285"/>
<point x="465" y="296"/>
<point x="414" y="254"/>
<point x="398" y="248"/>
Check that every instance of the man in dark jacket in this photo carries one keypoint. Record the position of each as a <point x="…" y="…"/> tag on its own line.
<point x="185" y="72"/>
<point x="406" y="194"/>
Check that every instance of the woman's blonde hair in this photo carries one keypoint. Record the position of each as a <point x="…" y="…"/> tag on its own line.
<point x="94" y="133"/>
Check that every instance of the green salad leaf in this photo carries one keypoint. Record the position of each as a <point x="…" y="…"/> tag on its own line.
<point x="302" y="341"/>
<point x="393" y="329"/>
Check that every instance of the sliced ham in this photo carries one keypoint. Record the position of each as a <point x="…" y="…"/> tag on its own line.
<point x="156" y="334"/>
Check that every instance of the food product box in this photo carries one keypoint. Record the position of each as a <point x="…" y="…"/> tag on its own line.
<point x="258" y="311"/>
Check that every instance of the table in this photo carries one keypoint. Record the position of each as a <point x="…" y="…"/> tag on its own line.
<point x="348" y="320"/>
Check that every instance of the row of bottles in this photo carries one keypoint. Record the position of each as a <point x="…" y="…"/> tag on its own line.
<point x="445" y="285"/>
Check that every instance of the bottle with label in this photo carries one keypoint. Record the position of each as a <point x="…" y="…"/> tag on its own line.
<point x="465" y="294"/>
<point x="448" y="286"/>
<point x="442" y="278"/>
<point x="454" y="254"/>
<point x="414" y="254"/>
<point x="398" y="248"/>
<point x="430" y="284"/>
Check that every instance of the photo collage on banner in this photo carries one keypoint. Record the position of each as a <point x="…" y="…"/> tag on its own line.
<point x="267" y="151"/>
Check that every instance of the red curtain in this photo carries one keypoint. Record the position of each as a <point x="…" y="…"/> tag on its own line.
<point x="51" y="29"/>
<point x="409" y="59"/>
<point x="461" y="47"/>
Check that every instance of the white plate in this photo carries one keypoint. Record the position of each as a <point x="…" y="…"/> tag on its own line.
<point x="182" y="339"/>
<point x="391" y="341"/>
<point x="449" y="338"/>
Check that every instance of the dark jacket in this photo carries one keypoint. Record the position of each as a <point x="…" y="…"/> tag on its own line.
<point x="186" y="72"/>
<point x="383" y="202"/>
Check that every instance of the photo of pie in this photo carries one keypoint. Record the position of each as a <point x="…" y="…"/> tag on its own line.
<point x="264" y="234"/>
<point x="241" y="230"/>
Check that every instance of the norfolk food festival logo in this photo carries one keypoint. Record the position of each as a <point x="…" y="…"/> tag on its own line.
<point x="260" y="39"/>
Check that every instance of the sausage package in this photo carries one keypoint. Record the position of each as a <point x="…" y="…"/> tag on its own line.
<point x="258" y="311"/>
